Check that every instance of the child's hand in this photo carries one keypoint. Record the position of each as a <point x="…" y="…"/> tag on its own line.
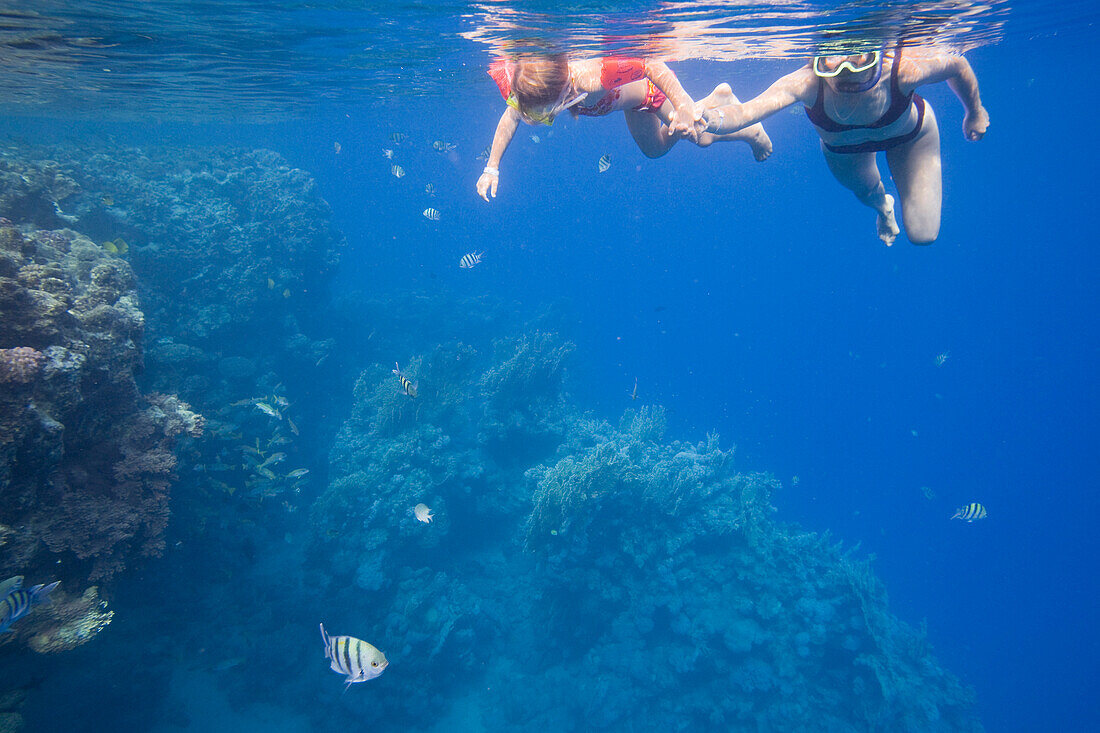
<point x="487" y="184"/>
<point x="687" y="123"/>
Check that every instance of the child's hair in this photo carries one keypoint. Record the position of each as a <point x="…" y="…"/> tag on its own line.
<point x="538" y="80"/>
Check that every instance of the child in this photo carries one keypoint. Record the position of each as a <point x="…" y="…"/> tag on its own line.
<point x="657" y="109"/>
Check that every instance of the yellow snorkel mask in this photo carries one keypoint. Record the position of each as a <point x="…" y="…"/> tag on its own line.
<point x="830" y="67"/>
<point x="545" y="115"/>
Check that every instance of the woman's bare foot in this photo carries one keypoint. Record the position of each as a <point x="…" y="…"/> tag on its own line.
<point x="759" y="141"/>
<point x="720" y="97"/>
<point x="887" y="225"/>
<point x="754" y="135"/>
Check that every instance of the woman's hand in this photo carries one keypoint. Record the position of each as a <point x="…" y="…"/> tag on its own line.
<point x="487" y="184"/>
<point x="975" y="124"/>
<point x="687" y="123"/>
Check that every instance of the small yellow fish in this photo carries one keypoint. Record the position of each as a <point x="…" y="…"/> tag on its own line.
<point x="286" y="293"/>
<point x="110" y="247"/>
<point x="270" y="284"/>
<point x="268" y="410"/>
<point x="423" y="513"/>
<point x="121" y="246"/>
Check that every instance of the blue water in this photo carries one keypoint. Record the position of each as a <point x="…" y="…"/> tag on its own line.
<point x="749" y="299"/>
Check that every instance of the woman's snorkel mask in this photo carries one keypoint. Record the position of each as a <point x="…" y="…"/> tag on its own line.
<point x="829" y="67"/>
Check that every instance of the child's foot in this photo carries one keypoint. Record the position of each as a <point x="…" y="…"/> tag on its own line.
<point x="888" y="225"/>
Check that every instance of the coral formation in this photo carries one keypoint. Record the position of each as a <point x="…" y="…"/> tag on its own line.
<point x="67" y="622"/>
<point x="85" y="459"/>
<point x="562" y="543"/>
<point x="20" y="364"/>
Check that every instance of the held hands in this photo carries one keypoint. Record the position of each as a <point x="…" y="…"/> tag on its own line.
<point x="687" y="122"/>
<point x="975" y="124"/>
<point x="487" y="183"/>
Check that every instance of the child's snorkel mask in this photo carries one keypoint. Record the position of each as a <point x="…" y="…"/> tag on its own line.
<point x="545" y="115"/>
<point x="829" y="67"/>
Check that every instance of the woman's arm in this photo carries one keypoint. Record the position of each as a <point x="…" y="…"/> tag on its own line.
<point x="956" y="71"/>
<point x="490" y="177"/>
<point x="794" y="88"/>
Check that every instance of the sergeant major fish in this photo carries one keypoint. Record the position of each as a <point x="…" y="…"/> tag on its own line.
<point x="423" y="513"/>
<point x="971" y="512"/>
<point x="15" y="602"/>
<point x="409" y="387"/>
<point x="352" y="657"/>
<point x="470" y="259"/>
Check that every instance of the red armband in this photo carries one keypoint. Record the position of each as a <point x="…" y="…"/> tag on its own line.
<point x="616" y="71"/>
<point x="501" y="71"/>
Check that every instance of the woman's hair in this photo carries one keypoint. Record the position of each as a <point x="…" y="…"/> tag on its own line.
<point x="538" y="80"/>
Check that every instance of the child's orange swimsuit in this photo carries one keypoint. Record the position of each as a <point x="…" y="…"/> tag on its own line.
<point x="615" y="72"/>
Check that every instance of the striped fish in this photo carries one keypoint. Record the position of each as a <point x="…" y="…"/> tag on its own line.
<point x="409" y="387"/>
<point x="971" y="512"/>
<point x="604" y="163"/>
<point x="397" y="171"/>
<point x="354" y="658"/>
<point x="17" y="603"/>
<point x="431" y="214"/>
<point x="470" y="259"/>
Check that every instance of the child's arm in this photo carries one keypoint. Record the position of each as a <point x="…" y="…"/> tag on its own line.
<point x="790" y="89"/>
<point x="956" y="71"/>
<point x="490" y="177"/>
<point x="684" y="119"/>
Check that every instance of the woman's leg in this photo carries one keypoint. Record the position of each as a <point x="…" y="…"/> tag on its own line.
<point x="858" y="172"/>
<point x="918" y="174"/>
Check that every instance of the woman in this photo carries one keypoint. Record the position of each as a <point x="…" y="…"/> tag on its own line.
<point x="537" y="89"/>
<point x="864" y="103"/>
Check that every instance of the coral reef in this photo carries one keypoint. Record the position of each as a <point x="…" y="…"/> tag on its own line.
<point x="67" y="622"/>
<point x="678" y="558"/>
<point x="20" y="364"/>
<point x="636" y="583"/>
<point x="85" y="459"/>
<point x="221" y="239"/>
